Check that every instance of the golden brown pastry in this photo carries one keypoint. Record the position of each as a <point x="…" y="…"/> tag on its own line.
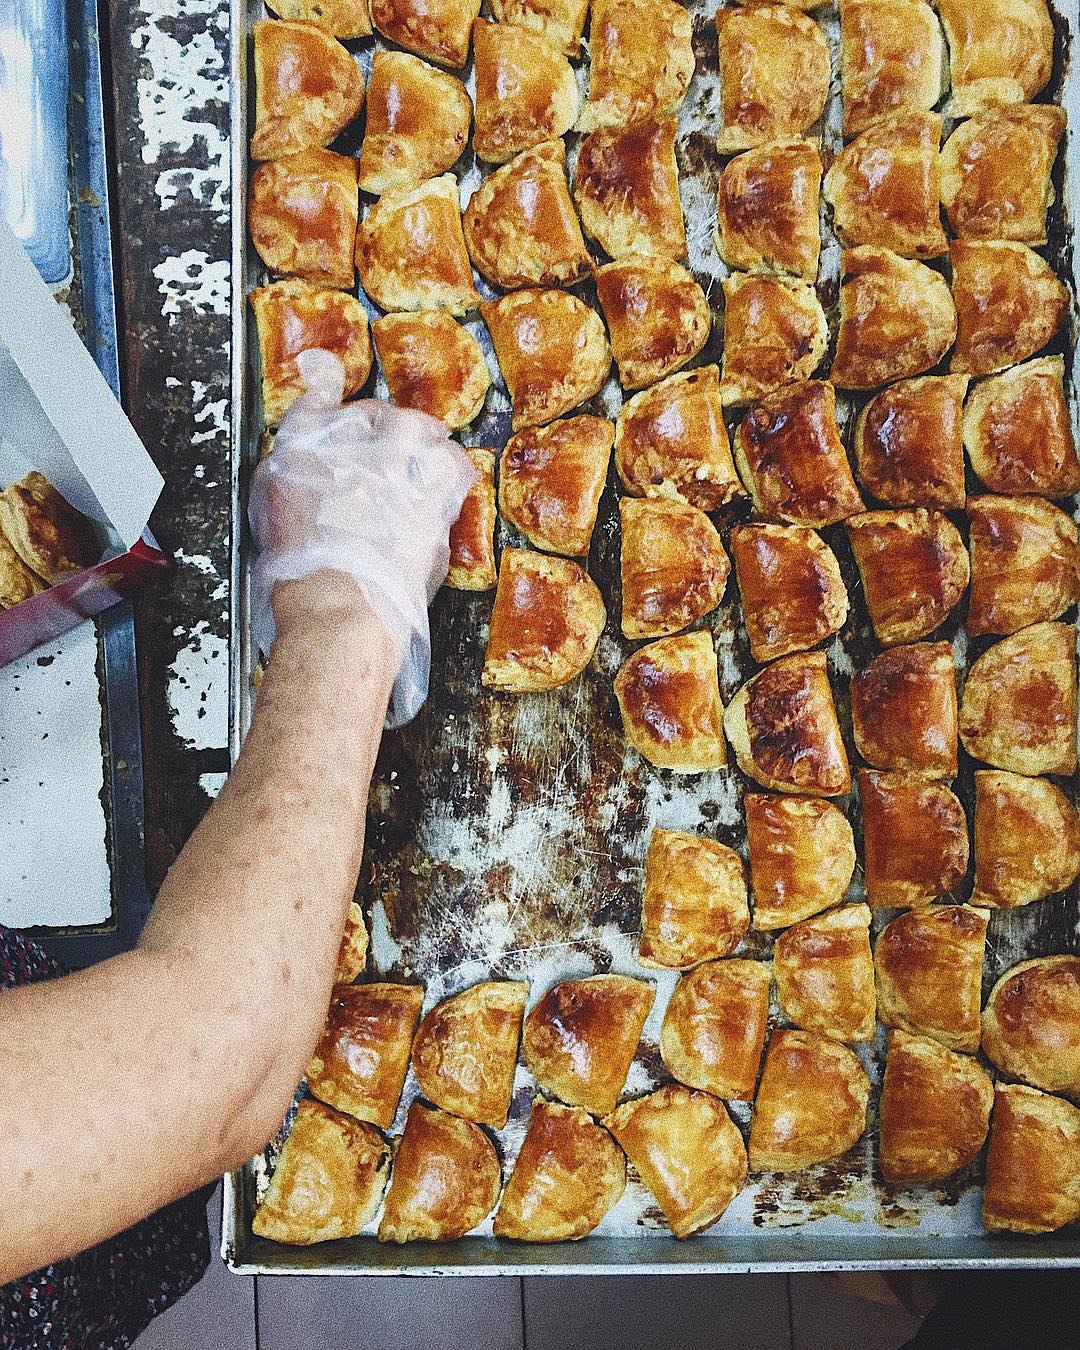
<point x="641" y="61"/>
<point x="1025" y="563"/>
<point x="526" y="91"/>
<point x="360" y="1062"/>
<point x="436" y="29"/>
<point x="671" y="442"/>
<point x="929" y="964"/>
<point x="915" y="840"/>
<point x="767" y="209"/>
<point x="790" y="455"/>
<point x="329" y="1179"/>
<point x="472" y="536"/>
<point x="774" y="75"/>
<point x="352" y="953"/>
<point x="694" y="908"/>
<point x="569" y="1173"/>
<point x="1031" y="1025"/>
<point x="433" y="364"/>
<point x="891" y="58"/>
<point x="802" y="857"/>
<point x="897" y="319"/>
<point x="669" y="699"/>
<point x="552" y="351"/>
<point x="1027" y="839"/>
<point x="343" y="18"/>
<point x="1018" y="710"/>
<point x="914" y="569"/>
<point x="999" y="52"/>
<point x="1018" y="433"/>
<point x="687" y="1150"/>
<point x="1009" y="304"/>
<point x="811" y="1103"/>
<point x="903" y="710"/>
<point x="307" y="87"/>
<point x="674" y="568"/>
<point x="824" y="973"/>
<point x="626" y="185"/>
<point x="546" y="621"/>
<point x="909" y="442"/>
<point x="935" y="1110"/>
<point x="995" y="173"/>
<point x="417" y="123"/>
<point x="51" y="537"/>
<point x="550" y="481"/>
<point x="1033" y="1165"/>
<point x="302" y="214"/>
<point x="446" y="1179"/>
<point x="657" y="317"/>
<point x="560" y="21"/>
<point x="580" y="1039"/>
<point x="17" y="582"/>
<point x="775" y="332"/>
<point x="792" y="592"/>
<point x="520" y="225"/>
<point x="714" y="1028"/>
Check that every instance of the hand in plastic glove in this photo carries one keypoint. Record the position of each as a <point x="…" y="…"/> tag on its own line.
<point x="366" y="489"/>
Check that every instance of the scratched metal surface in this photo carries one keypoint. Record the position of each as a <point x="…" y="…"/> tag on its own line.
<point x="507" y="836"/>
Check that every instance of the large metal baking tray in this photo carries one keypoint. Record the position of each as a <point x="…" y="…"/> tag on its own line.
<point x="506" y="836"/>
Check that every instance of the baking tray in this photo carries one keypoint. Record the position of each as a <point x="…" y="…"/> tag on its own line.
<point x="506" y="836"/>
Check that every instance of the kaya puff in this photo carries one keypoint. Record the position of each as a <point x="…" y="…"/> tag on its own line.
<point x="915" y="840"/>
<point x="1033" y="1165"/>
<point x="891" y="59"/>
<point x="307" y="87"/>
<point x="17" y="582"/>
<point x="792" y="592"/>
<point x="626" y="185"/>
<point x="433" y="364"/>
<point x="657" y="316"/>
<point x="641" y="61"/>
<point x="669" y="698"/>
<point x="998" y="53"/>
<point x="1025" y="563"/>
<point x="714" y="1028"/>
<point x="673" y="566"/>
<point x="903" y="710"/>
<point x="352" y="953"/>
<point x="562" y="22"/>
<point x="1009" y="304"/>
<point x="1027" y="839"/>
<point x="436" y="29"/>
<point x="694" y="907"/>
<point x="302" y="216"/>
<point x="775" y="332"/>
<point x="1018" y="433"/>
<point x="581" y="1037"/>
<point x="824" y="973"/>
<point x="1031" y="1024"/>
<point x="767" y="209"/>
<point x="472" y="536"/>
<point x="928" y="965"/>
<point x="783" y="728"/>
<point x="802" y="857"/>
<point x="526" y="91"/>
<point x="774" y="75"/>
<point x="546" y="621"/>
<point x="550" y="481"/>
<point x="417" y="123"/>
<point x="909" y="442"/>
<point x="50" y="536"/>
<point x="343" y="18"/>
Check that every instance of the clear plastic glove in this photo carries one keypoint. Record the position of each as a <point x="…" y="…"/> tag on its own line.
<point x="362" y="488"/>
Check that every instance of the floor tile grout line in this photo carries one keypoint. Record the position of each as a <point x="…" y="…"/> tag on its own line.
<point x="524" y="1330"/>
<point x="255" y="1307"/>
<point x="790" y="1313"/>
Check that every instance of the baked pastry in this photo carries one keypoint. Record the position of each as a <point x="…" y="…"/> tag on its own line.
<point x="550" y="481"/>
<point x="928" y="964"/>
<point x="891" y="59"/>
<point x="293" y="316"/>
<point x="909" y="442"/>
<point x="897" y="319"/>
<point x="562" y="22"/>
<point x="1018" y="432"/>
<point x="641" y="61"/>
<point x="433" y="364"/>
<point x="657" y="317"/>
<point x="791" y="457"/>
<point x="935" y="1110"/>
<point x="687" y="1150"/>
<point x="1009" y="304"/>
<point x="811" y="1103"/>
<point x="546" y="621"/>
<point x="1025" y="563"/>
<point x="998" y="53"/>
<point x="580" y="1039"/>
<point x="520" y="225"/>
<point x="1033" y="1165"/>
<point x="775" y="332"/>
<point x="465" y="1051"/>
<point x="352" y="953"/>
<point x="1027" y="839"/>
<point x="824" y="973"/>
<point x="914" y="570"/>
<point x="694" y="908"/>
<point x="472" y="536"/>
<point x="17" y="582"/>
<point x="903" y="710"/>
<point x="307" y="87"/>
<point x="302" y="212"/>
<point x="1031" y="1024"/>
<point x="674" y="568"/>
<point x="626" y="185"/>
<point x="526" y="91"/>
<point x="1018" y="710"/>
<point x="446" y="1179"/>
<point x="45" y="530"/>
<point x="552" y="351"/>
<point x="569" y="1173"/>
<point x="884" y="187"/>
<point x="343" y="18"/>
<point x="793" y="595"/>
<point x="671" y="442"/>
<point x="417" y="123"/>
<point x="782" y="726"/>
<point x="436" y="29"/>
<point x="714" y="1028"/>
<point x="915" y="840"/>
<point x="328" y="1182"/>
<point x="995" y="172"/>
<point x="774" y="75"/>
<point x="767" y="209"/>
<point x="802" y="857"/>
<point x="360" y="1062"/>
<point x="669" y="699"/>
